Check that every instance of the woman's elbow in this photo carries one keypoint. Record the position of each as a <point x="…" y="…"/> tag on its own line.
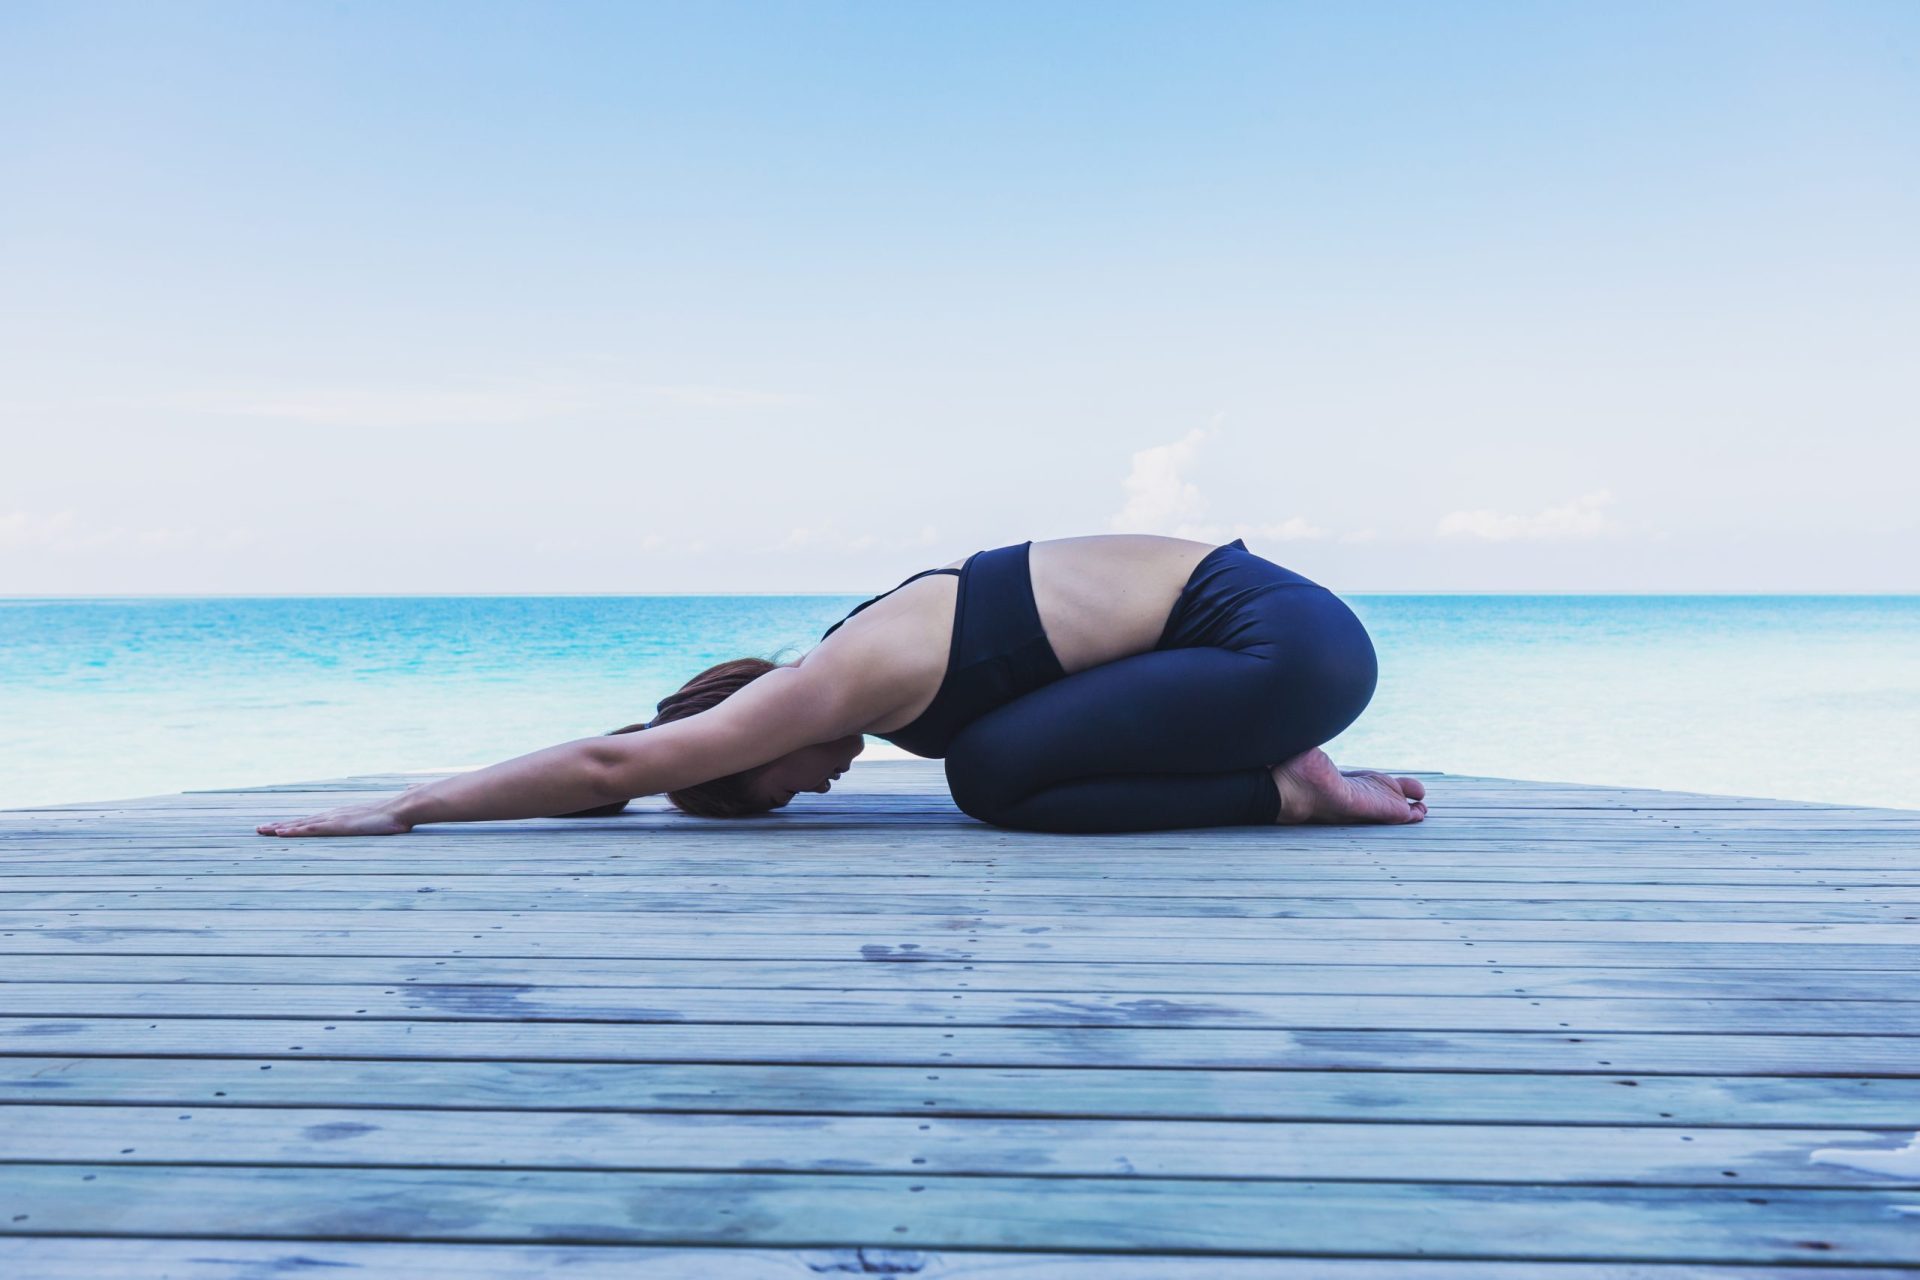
<point x="604" y="773"/>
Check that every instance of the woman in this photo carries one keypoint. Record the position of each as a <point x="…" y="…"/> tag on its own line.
<point x="1120" y="682"/>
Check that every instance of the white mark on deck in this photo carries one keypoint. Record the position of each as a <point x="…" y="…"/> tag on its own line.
<point x="1894" y="1162"/>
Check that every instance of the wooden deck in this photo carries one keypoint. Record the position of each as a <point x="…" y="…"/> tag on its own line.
<point x="1557" y="1031"/>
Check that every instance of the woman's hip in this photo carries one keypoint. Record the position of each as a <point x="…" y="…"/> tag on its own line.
<point x="1314" y="647"/>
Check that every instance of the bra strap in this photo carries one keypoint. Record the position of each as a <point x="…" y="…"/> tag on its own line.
<point x="884" y="594"/>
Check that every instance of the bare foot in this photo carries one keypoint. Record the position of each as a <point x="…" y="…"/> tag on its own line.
<point x="1313" y="789"/>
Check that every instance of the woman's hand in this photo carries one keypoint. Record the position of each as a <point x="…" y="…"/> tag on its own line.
<point x="377" y="819"/>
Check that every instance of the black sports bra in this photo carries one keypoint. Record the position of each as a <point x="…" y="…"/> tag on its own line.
<point x="998" y="650"/>
<point x="882" y="596"/>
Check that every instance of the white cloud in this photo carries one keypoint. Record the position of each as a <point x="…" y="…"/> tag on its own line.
<point x="589" y="543"/>
<point x="827" y="538"/>
<point x="346" y="406"/>
<point x="1158" y="495"/>
<point x="1584" y="517"/>
<point x="63" y="532"/>
<point x="353" y="408"/>
<point x="20" y="530"/>
<point x="1160" y="499"/>
<point x="698" y="397"/>
<point x="1293" y="529"/>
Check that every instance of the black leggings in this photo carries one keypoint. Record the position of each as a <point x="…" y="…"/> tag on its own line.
<point x="1256" y="665"/>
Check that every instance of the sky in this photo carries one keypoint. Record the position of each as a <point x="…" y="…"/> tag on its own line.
<point x="418" y="297"/>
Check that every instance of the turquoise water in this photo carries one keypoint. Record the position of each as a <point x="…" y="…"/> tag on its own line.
<point x="1813" y="698"/>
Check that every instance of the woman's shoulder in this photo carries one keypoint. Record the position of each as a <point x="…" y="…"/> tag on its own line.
<point x="888" y="658"/>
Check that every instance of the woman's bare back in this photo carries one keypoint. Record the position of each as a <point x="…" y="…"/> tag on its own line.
<point x="1100" y="598"/>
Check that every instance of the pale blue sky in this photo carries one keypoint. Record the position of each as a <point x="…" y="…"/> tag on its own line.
<point x="527" y="297"/>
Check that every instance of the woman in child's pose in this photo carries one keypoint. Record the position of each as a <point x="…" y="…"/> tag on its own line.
<point x="1119" y="682"/>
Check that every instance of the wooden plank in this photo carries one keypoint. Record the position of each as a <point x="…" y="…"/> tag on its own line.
<point x="1120" y="1093"/>
<point x="1542" y="843"/>
<point x="894" y="779"/>
<point x="639" y="892"/>
<point x="434" y="1002"/>
<point x="1532" y="907"/>
<point x="1026" y="952"/>
<point x="874" y="777"/>
<point x="923" y="781"/>
<point x="1278" y="848"/>
<point x="210" y="867"/>
<point x="861" y="803"/>
<point x="1334" y="1050"/>
<point x="1118" y="977"/>
<point x="946" y="1145"/>
<point x="1116" y="1215"/>
<point x="1040" y="930"/>
<point x="24" y="1258"/>
<point x="861" y="809"/>
<point x="882" y="783"/>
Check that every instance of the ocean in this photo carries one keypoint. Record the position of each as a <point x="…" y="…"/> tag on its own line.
<point x="1798" y="697"/>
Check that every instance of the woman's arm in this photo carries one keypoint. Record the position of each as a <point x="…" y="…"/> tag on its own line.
<point x="525" y="787"/>
<point x="788" y="708"/>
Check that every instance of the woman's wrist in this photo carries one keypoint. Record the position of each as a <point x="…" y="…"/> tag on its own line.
<point x="411" y="807"/>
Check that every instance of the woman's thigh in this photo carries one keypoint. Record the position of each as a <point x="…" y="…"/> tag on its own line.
<point x="1304" y="671"/>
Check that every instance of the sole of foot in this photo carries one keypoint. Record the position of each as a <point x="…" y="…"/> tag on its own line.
<point x="1314" y="789"/>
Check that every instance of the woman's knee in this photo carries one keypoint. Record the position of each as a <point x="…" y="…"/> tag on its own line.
<point x="1349" y="668"/>
<point x="1325" y="671"/>
<point x="978" y="778"/>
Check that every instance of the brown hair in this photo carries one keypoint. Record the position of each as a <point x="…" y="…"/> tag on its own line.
<point x="726" y="797"/>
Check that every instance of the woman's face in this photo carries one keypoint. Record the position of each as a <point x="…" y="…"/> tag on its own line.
<point x="809" y="769"/>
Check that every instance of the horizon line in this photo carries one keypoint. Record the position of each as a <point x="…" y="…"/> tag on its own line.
<point x="1733" y="593"/>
